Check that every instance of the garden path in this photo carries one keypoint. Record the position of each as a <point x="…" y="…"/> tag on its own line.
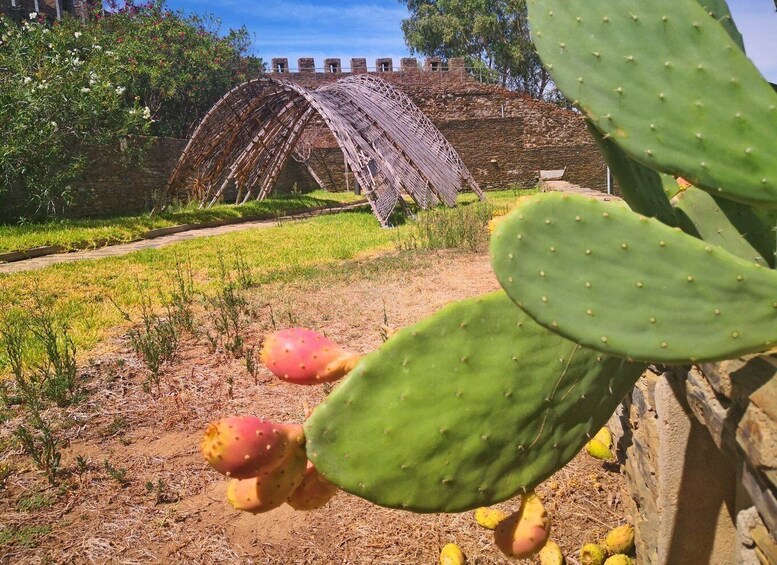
<point x="125" y="248"/>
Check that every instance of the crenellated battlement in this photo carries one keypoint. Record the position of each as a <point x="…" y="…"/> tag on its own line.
<point x="333" y="66"/>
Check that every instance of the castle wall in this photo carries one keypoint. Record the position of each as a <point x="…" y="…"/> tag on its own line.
<point x="504" y="138"/>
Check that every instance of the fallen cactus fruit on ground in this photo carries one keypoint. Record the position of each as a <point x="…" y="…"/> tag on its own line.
<point x="592" y="554"/>
<point x="305" y="357"/>
<point x="525" y="532"/>
<point x="264" y="493"/>
<point x="619" y="560"/>
<point x="489" y="518"/>
<point x="451" y="554"/>
<point x="620" y="539"/>
<point x="597" y="449"/>
<point x="243" y="447"/>
<point x="313" y="492"/>
<point x="551" y="554"/>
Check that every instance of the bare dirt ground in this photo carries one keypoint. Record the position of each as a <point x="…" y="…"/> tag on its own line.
<point x="143" y="494"/>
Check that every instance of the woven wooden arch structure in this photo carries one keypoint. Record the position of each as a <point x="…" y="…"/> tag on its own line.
<point x="391" y="147"/>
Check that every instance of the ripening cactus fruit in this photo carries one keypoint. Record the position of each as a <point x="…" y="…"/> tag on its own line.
<point x="305" y="357"/>
<point x="243" y="447"/>
<point x="489" y="518"/>
<point x="261" y="494"/>
<point x="525" y="532"/>
<point x="451" y="554"/>
<point x="619" y="559"/>
<point x="592" y="554"/>
<point x="551" y="554"/>
<point x="620" y="539"/>
<point x="604" y="436"/>
<point x="313" y="492"/>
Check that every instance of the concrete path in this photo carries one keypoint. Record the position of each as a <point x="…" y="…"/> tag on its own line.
<point x="125" y="248"/>
<point x="564" y="186"/>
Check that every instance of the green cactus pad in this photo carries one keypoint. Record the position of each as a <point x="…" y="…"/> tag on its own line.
<point x="464" y="409"/>
<point x="667" y="83"/>
<point x="629" y="285"/>
<point x="643" y="189"/>
<point x="718" y="9"/>
<point x="734" y="226"/>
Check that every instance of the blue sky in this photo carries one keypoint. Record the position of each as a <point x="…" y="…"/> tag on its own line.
<point x="371" y="28"/>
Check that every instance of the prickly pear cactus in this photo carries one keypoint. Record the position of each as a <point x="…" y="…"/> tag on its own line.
<point x="667" y="82"/>
<point x="631" y="286"/>
<point x="464" y="409"/>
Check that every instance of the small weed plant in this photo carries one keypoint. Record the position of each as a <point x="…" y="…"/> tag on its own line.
<point x="463" y="227"/>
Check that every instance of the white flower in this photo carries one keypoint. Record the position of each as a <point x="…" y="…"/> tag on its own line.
<point x="77" y="34"/>
<point x="120" y="89"/>
<point x="85" y="89"/>
<point x="33" y="15"/>
<point x="146" y="113"/>
<point x="97" y="47"/>
<point x="51" y="46"/>
<point x="133" y="111"/>
<point x="76" y="62"/>
<point x="92" y="81"/>
<point x="53" y="124"/>
<point x="109" y="53"/>
<point x="27" y="80"/>
<point x="46" y="30"/>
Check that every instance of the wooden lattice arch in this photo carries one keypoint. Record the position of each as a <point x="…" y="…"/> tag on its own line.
<point x="390" y="146"/>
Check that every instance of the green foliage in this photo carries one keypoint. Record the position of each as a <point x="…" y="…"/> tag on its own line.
<point x="178" y="65"/>
<point x="23" y="536"/>
<point x="464" y="409"/>
<point x="69" y="86"/>
<point x="463" y="227"/>
<point x="492" y="34"/>
<point x="61" y="89"/>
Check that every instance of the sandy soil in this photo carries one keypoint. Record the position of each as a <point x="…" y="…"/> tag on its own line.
<point x="170" y="508"/>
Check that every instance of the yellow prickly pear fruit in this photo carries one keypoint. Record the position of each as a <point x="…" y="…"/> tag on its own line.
<point x="489" y="517"/>
<point x="451" y="555"/>
<point x="619" y="559"/>
<point x="597" y="449"/>
<point x="525" y="532"/>
<point x="592" y="554"/>
<point x="551" y="554"/>
<point x="620" y="540"/>
<point x="604" y="436"/>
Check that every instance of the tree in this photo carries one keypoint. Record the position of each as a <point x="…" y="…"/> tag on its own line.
<point x="493" y="35"/>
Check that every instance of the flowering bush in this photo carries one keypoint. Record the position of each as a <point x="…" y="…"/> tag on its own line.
<point x="59" y="90"/>
<point x="67" y="86"/>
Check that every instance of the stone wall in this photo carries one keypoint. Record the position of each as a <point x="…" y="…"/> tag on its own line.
<point x="505" y="139"/>
<point x="700" y="451"/>
<point x="111" y="186"/>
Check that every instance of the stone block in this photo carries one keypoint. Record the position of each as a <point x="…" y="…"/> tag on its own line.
<point x="306" y="65"/>
<point x="384" y="65"/>
<point x="280" y="66"/>
<point x="358" y="65"/>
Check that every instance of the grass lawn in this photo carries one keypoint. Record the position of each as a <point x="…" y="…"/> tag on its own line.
<point x="79" y="234"/>
<point x="85" y="291"/>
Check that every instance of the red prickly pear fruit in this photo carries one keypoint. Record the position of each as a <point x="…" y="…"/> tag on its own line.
<point x="313" y="492"/>
<point x="269" y="491"/>
<point x="242" y="447"/>
<point x="305" y="357"/>
<point x="525" y="532"/>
